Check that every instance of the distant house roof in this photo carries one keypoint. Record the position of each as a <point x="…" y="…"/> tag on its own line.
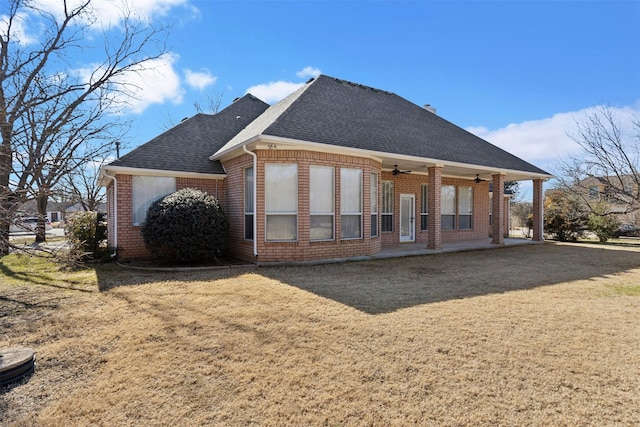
<point x="187" y="146"/>
<point x="339" y="113"/>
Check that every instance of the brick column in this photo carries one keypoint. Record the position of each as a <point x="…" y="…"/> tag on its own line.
<point x="538" y="211"/>
<point x="434" y="219"/>
<point x="497" y="222"/>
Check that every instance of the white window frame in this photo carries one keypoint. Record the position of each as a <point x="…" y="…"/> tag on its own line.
<point x="448" y="206"/>
<point x="387" y="206"/>
<point x="465" y="207"/>
<point x="145" y="190"/>
<point x="424" y="207"/>
<point x="373" y="185"/>
<point x="281" y="201"/>
<point x="249" y="208"/>
<point x="347" y="208"/>
<point x="321" y="188"/>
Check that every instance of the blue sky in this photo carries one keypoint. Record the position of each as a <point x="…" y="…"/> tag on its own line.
<point x="517" y="73"/>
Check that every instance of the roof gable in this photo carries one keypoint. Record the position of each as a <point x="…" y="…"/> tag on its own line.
<point x="344" y="114"/>
<point x="187" y="146"/>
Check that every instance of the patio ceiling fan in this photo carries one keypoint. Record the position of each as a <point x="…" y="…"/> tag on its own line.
<point x="478" y="180"/>
<point x="396" y="171"/>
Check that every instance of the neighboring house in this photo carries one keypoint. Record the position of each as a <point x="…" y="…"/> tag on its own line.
<point x="55" y="210"/>
<point x="315" y="177"/>
<point x="77" y="207"/>
<point x="619" y="192"/>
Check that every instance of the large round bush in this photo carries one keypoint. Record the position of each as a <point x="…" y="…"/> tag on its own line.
<point x="185" y="226"/>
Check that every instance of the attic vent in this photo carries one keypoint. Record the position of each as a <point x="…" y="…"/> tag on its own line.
<point x="429" y="108"/>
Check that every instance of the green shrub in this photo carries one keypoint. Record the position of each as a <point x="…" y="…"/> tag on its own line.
<point x="185" y="226"/>
<point x="86" y="233"/>
<point x="564" y="216"/>
<point x="603" y="225"/>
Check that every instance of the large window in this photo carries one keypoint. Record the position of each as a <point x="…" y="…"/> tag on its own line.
<point x="448" y="207"/>
<point x="465" y="208"/>
<point x="387" y="206"/>
<point x="321" y="202"/>
<point x="281" y="201"/>
<point x="424" y="205"/>
<point x="351" y="203"/>
<point x="248" y="203"/>
<point x="146" y="190"/>
<point x="374" y="204"/>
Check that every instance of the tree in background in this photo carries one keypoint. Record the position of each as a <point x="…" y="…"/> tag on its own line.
<point x="601" y="223"/>
<point x="54" y="117"/>
<point x="564" y="215"/>
<point x="81" y="186"/>
<point x="610" y="159"/>
<point x="522" y="213"/>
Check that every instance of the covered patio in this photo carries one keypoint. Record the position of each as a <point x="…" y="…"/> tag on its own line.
<point x="411" y="249"/>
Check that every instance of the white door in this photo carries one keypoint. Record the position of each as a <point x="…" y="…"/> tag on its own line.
<point x="407" y="218"/>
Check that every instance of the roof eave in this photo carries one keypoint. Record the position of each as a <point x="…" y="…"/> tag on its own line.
<point x="272" y="143"/>
<point x="123" y="170"/>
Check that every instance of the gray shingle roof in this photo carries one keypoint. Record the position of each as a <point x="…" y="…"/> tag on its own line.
<point x="187" y="146"/>
<point x="336" y="112"/>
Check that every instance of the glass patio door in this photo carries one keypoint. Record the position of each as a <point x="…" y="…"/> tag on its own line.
<point x="407" y="218"/>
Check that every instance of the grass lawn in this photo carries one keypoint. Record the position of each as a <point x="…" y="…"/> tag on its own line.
<point x="529" y="335"/>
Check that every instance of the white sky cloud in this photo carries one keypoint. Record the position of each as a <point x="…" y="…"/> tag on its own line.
<point x="540" y="142"/>
<point x="109" y="12"/>
<point x="157" y="84"/>
<point x="199" y="79"/>
<point x="274" y="91"/>
<point x="154" y="83"/>
<point x="545" y="142"/>
<point x="308" y="72"/>
<point x="19" y="30"/>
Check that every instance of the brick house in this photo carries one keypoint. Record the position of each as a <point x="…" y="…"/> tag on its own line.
<point x="335" y="170"/>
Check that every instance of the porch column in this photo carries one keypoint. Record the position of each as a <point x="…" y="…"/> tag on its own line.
<point x="434" y="240"/>
<point x="497" y="222"/>
<point x="538" y="211"/>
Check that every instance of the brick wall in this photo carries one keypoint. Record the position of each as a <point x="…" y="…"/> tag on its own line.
<point x="412" y="184"/>
<point x="302" y="249"/>
<point x="130" y="241"/>
<point x="230" y="193"/>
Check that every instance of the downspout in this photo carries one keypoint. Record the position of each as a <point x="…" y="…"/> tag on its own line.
<point x="255" y="199"/>
<point x="115" y="214"/>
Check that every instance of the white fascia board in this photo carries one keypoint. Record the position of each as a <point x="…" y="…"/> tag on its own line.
<point x="268" y="142"/>
<point x="122" y="170"/>
<point x="237" y="147"/>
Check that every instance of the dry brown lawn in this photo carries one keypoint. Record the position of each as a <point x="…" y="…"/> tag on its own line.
<point x="533" y="335"/>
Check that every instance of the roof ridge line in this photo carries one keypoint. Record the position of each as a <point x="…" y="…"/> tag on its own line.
<point x="359" y="85"/>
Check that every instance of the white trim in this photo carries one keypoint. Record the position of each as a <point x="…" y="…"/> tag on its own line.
<point x="115" y="211"/>
<point x="255" y="199"/>
<point x="158" y="172"/>
<point x="412" y="230"/>
<point x="277" y="143"/>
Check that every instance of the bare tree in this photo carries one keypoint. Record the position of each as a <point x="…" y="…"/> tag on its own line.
<point x="54" y="117"/>
<point x="81" y="186"/>
<point x="211" y="105"/>
<point x="607" y="168"/>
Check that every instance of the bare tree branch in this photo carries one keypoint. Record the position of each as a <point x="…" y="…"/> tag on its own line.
<point x="54" y="118"/>
<point x="607" y="169"/>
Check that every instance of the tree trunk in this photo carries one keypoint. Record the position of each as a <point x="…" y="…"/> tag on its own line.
<point x="8" y="206"/>
<point x="41" y="201"/>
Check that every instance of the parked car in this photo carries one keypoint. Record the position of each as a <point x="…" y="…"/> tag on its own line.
<point x="28" y="225"/>
<point x="627" y="230"/>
